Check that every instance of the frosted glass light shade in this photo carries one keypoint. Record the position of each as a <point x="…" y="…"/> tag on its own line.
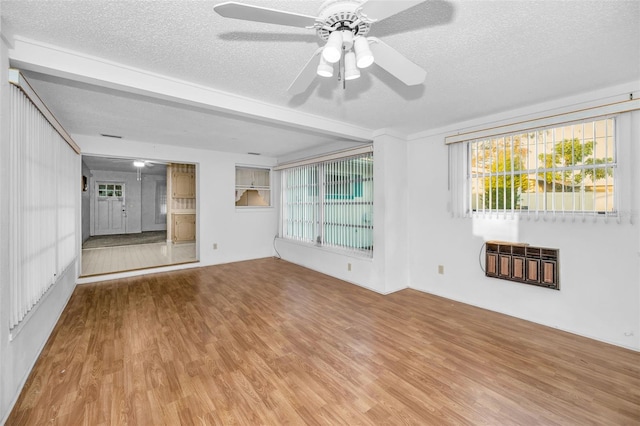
<point x="351" y="72"/>
<point x="325" y="69"/>
<point x="333" y="49"/>
<point x="364" y="56"/>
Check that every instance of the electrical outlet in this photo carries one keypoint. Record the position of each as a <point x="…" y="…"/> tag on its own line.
<point x="215" y="246"/>
<point x="348" y="266"/>
<point x="441" y="269"/>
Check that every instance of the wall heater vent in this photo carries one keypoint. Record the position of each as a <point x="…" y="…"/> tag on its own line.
<point x="522" y="263"/>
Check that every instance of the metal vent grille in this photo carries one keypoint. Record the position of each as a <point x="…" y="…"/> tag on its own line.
<point x="523" y="263"/>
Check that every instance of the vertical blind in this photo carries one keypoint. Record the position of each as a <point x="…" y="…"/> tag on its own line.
<point x="43" y="185"/>
<point x="330" y="203"/>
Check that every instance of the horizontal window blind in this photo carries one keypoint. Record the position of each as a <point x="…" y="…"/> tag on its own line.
<point x="43" y="186"/>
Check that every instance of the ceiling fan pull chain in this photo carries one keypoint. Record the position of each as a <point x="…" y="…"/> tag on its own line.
<point x="341" y="72"/>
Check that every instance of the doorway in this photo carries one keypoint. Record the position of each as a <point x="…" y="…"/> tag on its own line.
<point x="127" y="216"/>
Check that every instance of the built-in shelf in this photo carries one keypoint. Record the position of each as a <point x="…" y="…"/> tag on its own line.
<point x="253" y="187"/>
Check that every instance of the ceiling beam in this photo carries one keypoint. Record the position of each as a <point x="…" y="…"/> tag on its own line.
<point x="52" y="60"/>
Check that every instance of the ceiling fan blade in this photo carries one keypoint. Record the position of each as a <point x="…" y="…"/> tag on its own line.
<point x="262" y="14"/>
<point x="395" y="63"/>
<point x="377" y="10"/>
<point x="306" y="75"/>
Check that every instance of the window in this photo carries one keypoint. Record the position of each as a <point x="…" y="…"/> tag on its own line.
<point x="110" y="190"/>
<point x="330" y="203"/>
<point x="567" y="168"/>
<point x="253" y="187"/>
<point x="161" y="202"/>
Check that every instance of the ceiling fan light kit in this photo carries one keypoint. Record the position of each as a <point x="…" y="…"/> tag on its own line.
<point x="343" y="24"/>
<point x="347" y="40"/>
<point x="364" y="56"/>
<point x="351" y="72"/>
<point x="332" y="51"/>
<point x="325" y="69"/>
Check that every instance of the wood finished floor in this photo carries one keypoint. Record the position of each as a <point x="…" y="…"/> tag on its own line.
<point x="266" y="342"/>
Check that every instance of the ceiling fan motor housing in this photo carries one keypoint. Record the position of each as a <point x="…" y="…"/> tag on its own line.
<point x="341" y="15"/>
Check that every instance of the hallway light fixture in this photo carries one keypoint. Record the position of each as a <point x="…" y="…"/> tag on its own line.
<point x="138" y="164"/>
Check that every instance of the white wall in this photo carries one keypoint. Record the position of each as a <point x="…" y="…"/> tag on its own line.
<point x="599" y="262"/>
<point x="148" y="203"/>
<point x="239" y="234"/>
<point x="17" y="356"/>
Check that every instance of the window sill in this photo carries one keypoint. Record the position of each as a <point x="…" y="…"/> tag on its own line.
<point x="253" y="208"/>
<point x="338" y="251"/>
<point x="532" y="215"/>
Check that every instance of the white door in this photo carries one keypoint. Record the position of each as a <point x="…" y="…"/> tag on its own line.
<point x="110" y="209"/>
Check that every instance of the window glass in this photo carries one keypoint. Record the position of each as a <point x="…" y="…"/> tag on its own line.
<point x="330" y="203"/>
<point x="568" y="168"/>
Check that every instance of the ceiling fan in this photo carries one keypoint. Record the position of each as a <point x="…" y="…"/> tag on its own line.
<point x="343" y="24"/>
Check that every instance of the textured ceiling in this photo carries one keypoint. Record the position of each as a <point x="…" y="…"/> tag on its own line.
<point x="88" y="109"/>
<point x="481" y="57"/>
<point x="123" y="165"/>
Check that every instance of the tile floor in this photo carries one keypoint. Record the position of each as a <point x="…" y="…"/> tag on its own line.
<point x="125" y="258"/>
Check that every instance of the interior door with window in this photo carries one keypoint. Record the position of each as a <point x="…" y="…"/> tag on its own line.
<point x="110" y="209"/>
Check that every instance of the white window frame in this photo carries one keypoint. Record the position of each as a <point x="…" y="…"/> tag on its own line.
<point x="557" y="196"/>
<point x="458" y="183"/>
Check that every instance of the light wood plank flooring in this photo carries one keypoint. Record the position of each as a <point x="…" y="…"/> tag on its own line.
<point x="106" y="260"/>
<point x="266" y="342"/>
